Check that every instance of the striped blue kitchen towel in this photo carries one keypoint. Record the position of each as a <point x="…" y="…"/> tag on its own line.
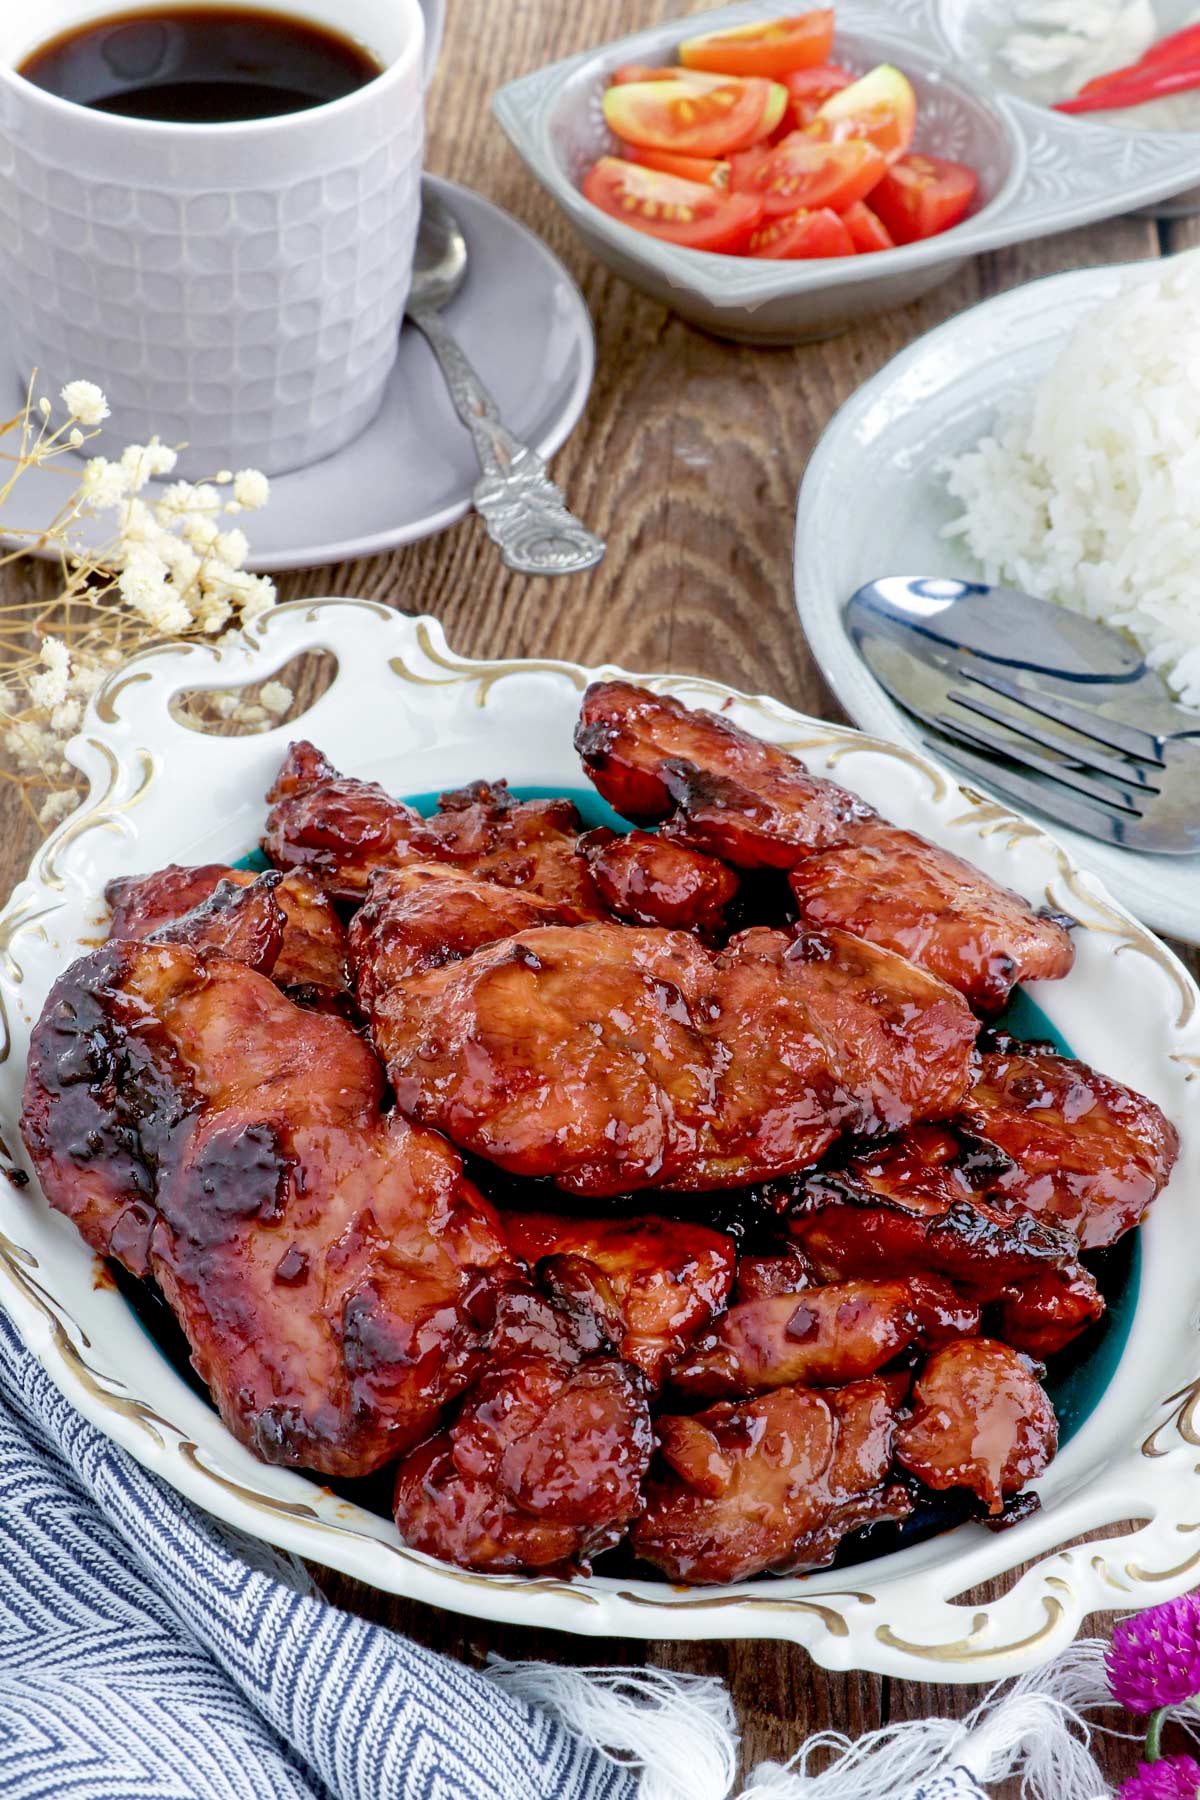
<point x="143" y="1658"/>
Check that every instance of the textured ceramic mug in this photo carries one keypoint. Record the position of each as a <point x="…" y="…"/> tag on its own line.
<point x="235" y="287"/>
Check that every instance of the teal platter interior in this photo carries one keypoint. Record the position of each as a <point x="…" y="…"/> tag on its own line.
<point x="1076" y="1380"/>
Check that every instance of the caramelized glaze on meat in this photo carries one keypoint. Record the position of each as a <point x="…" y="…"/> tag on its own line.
<point x="910" y="1207"/>
<point x="613" y="1058"/>
<point x="667" y="1278"/>
<point x="540" y="1471"/>
<point x="980" y="1420"/>
<point x="756" y="806"/>
<point x="339" y="830"/>
<point x="773" y="1483"/>
<point x="772" y="1272"/>
<point x="320" y="1256"/>
<point x="1085" y="1150"/>
<point x="312" y="954"/>
<point x="650" y="880"/>
<point x="425" y="916"/>
<point x="823" y="1337"/>
<point x="899" y="890"/>
<point x="733" y="795"/>
<point x="1044" y="1313"/>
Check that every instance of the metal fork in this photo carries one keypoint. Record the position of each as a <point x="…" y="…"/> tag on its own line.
<point x="1104" y="749"/>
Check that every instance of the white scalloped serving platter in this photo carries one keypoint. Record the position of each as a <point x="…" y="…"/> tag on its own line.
<point x="405" y="710"/>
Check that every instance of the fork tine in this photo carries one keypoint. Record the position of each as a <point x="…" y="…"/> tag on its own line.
<point x="1086" y="757"/>
<point x="1028" y="791"/>
<point x="1020" y="751"/>
<point x="1131" y="740"/>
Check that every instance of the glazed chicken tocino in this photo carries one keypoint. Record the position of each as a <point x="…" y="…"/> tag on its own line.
<point x="899" y="890"/>
<point x="320" y="1254"/>
<point x="339" y="830"/>
<point x="822" y="1337"/>
<point x="664" y="1278"/>
<point x="980" y="1421"/>
<point x="756" y="806"/>
<point x="1083" y="1149"/>
<point x="648" y="879"/>
<point x="771" y="1484"/>
<point x="722" y="791"/>
<point x="312" y="959"/>
<point x="612" y="1058"/>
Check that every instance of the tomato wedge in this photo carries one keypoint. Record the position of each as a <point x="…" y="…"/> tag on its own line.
<point x="802" y="172"/>
<point x="867" y="231"/>
<point x="923" y="195"/>
<point x="711" y="169"/>
<point x="630" y="72"/>
<point x="690" y="213"/>
<point x="880" y="107"/>
<point x="802" y="233"/>
<point x="809" y="89"/>
<point x="695" y="115"/>
<point x="772" y="47"/>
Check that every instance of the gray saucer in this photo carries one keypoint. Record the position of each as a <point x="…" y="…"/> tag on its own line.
<point x="525" y="326"/>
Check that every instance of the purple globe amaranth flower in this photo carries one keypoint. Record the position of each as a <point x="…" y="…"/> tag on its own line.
<point x="1154" y="1658"/>
<point x="1174" y="1778"/>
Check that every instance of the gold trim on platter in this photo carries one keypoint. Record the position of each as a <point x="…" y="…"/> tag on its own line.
<point x="1185" y="1417"/>
<point x="968" y="1649"/>
<point x="96" y="814"/>
<point x="465" y="671"/>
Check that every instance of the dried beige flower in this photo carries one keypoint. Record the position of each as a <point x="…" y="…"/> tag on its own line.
<point x="171" y="569"/>
<point x="276" y="697"/>
<point x="85" y="402"/>
<point x="251" y="489"/>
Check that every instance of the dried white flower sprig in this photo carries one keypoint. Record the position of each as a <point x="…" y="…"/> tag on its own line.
<point x="174" y="568"/>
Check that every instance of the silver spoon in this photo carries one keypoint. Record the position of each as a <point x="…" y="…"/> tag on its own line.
<point x="1056" y="711"/>
<point x="525" y="514"/>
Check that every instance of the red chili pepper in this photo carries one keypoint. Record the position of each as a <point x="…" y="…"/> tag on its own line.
<point x="1178" y="49"/>
<point x="1180" y="46"/>
<point x="1132" y="87"/>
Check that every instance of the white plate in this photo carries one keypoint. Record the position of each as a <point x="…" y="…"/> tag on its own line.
<point x="525" y="326"/>
<point x="404" y="709"/>
<point x="872" y="503"/>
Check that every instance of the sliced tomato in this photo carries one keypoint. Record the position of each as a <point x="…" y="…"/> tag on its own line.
<point x="801" y="171"/>
<point x="867" y="230"/>
<point x="809" y="89"/>
<point x="743" y="163"/>
<point x="695" y="115"/>
<point x="923" y="195"/>
<point x="771" y="47"/>
<point x="692" y="168"/>
<point x="880" y="107"/>
<point x="691" y="213"/>
<point x="631" y="72"/>
<point x="802" y="233"/>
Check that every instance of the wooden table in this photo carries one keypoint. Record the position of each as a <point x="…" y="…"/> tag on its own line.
<point x="687" y="460"/>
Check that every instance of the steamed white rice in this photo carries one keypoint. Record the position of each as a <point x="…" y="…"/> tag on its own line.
<point x="1090" y="494"/>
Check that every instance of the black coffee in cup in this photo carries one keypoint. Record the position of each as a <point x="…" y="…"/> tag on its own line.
<point x="200" y="65"/>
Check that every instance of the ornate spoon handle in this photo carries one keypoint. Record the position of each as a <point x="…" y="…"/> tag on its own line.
<point x="525" y="514"/>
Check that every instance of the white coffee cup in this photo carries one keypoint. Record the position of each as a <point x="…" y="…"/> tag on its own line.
<point x="235" y="287"/>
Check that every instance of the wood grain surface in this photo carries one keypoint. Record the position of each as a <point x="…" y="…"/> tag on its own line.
<point x="687" y="460"/>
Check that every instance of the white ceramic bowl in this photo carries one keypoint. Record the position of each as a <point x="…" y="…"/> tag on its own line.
<point x="1040" y="171"/>
<point x="406" y="710"/>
